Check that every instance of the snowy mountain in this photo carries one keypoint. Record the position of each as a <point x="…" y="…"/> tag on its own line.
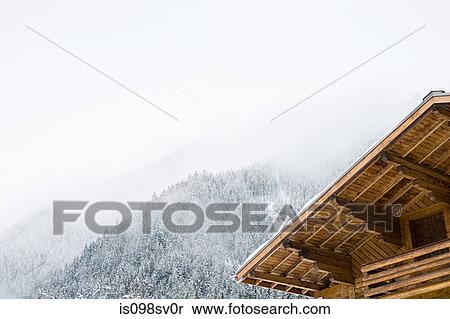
<point x="29" y="252"/>
<point x="167" y="265"/>
<point x="35" y="263"/>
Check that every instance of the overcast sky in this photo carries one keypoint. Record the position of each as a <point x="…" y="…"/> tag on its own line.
<point x="223" y="68"/>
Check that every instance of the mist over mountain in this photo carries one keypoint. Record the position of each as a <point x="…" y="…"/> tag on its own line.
<point x="29" y="252"/>
<point x="35" y="263"/>
<point x="168" y="265"/>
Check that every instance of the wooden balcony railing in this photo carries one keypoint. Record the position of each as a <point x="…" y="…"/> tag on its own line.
<point x="410" y="274"/>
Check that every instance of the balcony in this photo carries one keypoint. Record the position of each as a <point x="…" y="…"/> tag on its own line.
<point x="410" y="274"/>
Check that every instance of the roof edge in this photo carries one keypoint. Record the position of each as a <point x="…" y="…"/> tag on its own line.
<point x="434" y="97"/>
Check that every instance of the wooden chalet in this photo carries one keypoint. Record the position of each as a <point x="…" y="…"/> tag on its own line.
<point x="380" y="230"/>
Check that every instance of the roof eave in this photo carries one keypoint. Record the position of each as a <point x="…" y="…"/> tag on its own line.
<point x="434" y="97"/>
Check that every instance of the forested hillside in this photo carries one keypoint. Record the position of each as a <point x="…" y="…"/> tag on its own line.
<point x="29" y="252"/>
<point x="35" y="263"/>
<point x="166" y="265"/>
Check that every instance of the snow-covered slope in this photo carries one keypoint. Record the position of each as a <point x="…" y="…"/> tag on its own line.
<point x="167" y="265"/>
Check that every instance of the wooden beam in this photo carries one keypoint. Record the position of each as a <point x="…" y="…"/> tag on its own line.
<point x="341" y="209"/>
<point x="444" y="111"/>
<point x="312" y="267"/>
<point x="377" y="218"/>
<point x="377" y="214"/>
<point x="390" y="158"/>
<point x="339" y="291"/>
<point x="422" y="138"/>
<point x="376" y="178"/>
<point x="418" y="291"/>
<point x="330" y="220"/>
<point x="297" y="283"/>
<point x="427" y="182"/>
<point x="423" y="212"/>
<point x="351" y="207"/>
<point x="442" y="159"/>
<point x="332" y="235"/>
<point x="440" y="198"/>
<point x="308" y="249"/>
<point x="407" y="269"/>
<point x="402" y="191"/>
<point x="350" y="235"/>
<point x="413" y="200"/>
<point x="323" y="274"/>
<point x="391" y="239"/>
<point x="437" y="194"/>
<point x="340" y="265"/>
<point x="238" y="279"/>
<point x="407" y="255"/>
<point x="363" y="240"/>
<point x="407" y="282"/>
<point x="341" y="275"/>
<point x="279" y="287"/>
<point x="281" y="262"/>
<point x="438" y="145"/>
<point x="293" y="267"/>
<point x="386" y="189"/>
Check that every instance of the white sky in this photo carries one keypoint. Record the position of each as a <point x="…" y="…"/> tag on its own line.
<point x="224" y="68"/>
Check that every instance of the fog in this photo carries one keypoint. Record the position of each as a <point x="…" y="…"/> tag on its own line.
<point x="224" y="69"/>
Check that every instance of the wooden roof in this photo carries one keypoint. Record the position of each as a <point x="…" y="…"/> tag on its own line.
<point x="409" y="167"/>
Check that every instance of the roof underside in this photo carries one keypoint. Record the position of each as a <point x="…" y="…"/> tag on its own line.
<point x="410" y="167"/>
